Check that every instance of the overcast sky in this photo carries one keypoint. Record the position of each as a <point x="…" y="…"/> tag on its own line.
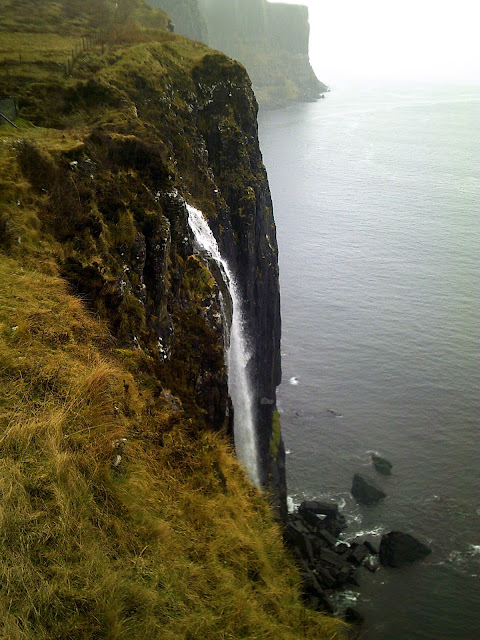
<point x="358" y="40"/>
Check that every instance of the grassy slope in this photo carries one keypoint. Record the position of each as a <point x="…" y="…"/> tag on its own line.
<point x="176" y="543"/>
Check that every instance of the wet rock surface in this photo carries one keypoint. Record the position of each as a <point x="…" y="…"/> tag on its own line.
<point x="329" y="564"/>
<point x="326" y="563"/>
<point x="398" y="549"/>
<point x="382" y="465"/>
<point x="365" y="491"/>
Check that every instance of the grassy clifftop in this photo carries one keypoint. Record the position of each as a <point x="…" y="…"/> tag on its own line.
<point x="173" y="542"/>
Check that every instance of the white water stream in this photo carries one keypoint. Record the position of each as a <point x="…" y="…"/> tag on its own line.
<point x="239" y="385"/>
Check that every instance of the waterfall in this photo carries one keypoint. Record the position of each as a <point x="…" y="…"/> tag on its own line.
<point x="237" y="356"/>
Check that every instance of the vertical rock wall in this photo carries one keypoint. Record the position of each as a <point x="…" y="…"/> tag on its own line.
<point x="186" y="17"/>
<point x="245" y="229"/>
<point x="271" y="40"/>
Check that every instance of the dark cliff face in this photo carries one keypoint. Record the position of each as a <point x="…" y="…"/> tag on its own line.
<point x="245" y="228"/>
<point x="186" y="17"/>
<point x="163" y="123"/>
<point x="271" y="40"/>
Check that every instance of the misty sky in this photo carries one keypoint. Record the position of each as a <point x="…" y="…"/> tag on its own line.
<point x="358" y="40"/>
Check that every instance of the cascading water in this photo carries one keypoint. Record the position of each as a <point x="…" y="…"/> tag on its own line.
<point x="239" y="385"/>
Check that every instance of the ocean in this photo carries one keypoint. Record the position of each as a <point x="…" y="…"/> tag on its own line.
<point x="377" y="203"/>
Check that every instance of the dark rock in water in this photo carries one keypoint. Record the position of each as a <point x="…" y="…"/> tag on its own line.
<point x="335" y="524"/>
<point x="352" y="616"/>
<point x="358" y="554"/>
<point x="365" y="491"/>
<point x="371" y="548"/>
<point x="398" y="549"/>
<point x="335" y="413"/>
<point x="315" y="506"/>
<point x="382" y="465"/>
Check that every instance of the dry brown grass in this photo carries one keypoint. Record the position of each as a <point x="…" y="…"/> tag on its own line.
<point x="175" y="544"/>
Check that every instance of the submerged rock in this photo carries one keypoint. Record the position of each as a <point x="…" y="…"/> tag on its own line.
<point x="352" y="616"/>
<point x="398" y="549"/>
<point x="365" y="491"/>
<point x="382" y="465"/>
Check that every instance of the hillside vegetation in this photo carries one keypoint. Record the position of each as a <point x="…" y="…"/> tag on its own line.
<point x="173" y="542"/>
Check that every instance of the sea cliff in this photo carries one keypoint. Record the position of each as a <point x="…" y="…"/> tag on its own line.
<point x="186" y="17"/>
<point x="270" y="39"/>
<point x="125" y="512"/>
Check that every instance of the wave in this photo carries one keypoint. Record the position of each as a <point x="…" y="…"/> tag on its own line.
<point x="292" y="505"/>
<point x="375" y="532"/>
<point x="465" y="561"/>
<point x="293" y="381"/>
<point x="343" y="599"/>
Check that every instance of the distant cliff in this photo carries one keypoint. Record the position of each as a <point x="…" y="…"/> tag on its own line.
<point x="186" y="17"/>
<point x="271" y="40"/>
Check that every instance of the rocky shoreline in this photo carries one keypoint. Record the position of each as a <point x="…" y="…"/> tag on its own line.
<point x="329" y="564"/>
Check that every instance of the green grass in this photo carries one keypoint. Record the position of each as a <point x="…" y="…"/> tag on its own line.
<point x="36" y="46"/>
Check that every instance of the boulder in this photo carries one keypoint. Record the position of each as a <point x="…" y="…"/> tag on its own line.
<point x="313" y="594"/>
<point x="311" y="518"/>
<point x="332" y="559"/>
<point x="318" y="544"/>
<point x="327" y="537"/>
<point x="335" y="524"/>
<point x="320" y="508"/>
<point x="365" y="491"/>
<point x="352" y="616"/>
<point x="344" y="576"/>
<point x="398" y="549"/>
<point x="298" y="523"/>
<point x="382" y="465"/>
<point x="358" y="554"/>
<point x="297" y="538"/>
<point x="324" y="576"/>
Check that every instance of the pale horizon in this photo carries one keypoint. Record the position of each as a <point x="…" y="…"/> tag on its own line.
<point x="376" y="41"/>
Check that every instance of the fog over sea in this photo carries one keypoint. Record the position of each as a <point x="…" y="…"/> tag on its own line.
<point x="377" y="204"/>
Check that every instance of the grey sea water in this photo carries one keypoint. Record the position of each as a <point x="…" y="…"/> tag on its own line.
<point x="377" y="203"/>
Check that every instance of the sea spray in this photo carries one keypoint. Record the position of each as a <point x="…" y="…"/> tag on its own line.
<point x="237" y="356"/>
